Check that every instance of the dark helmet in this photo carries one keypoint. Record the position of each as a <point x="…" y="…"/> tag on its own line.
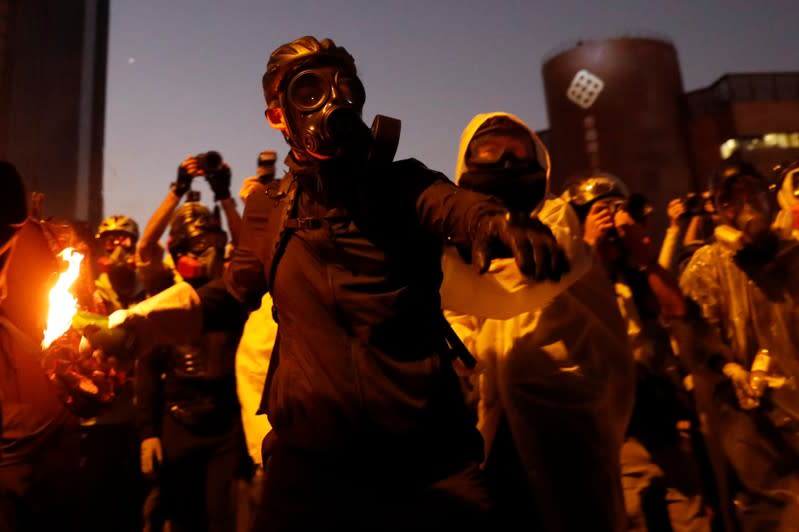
<point x="13" y="202"/>
<point x="119" y="223"/>
<point x="192" y="219"/>
<point x="584" y="191"/>
<point x="291" y="57"/>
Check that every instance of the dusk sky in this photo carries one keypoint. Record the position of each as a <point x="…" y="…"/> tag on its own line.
<point x="184" y="76"/>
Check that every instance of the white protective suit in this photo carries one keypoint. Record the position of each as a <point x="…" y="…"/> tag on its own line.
<point x="554" y="361"/>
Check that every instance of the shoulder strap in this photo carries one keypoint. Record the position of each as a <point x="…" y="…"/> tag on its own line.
<point x="277" y="235"/>
<point x="285" y="193"/>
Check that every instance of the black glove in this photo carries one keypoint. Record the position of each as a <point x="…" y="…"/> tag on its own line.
<point x="219" y="180"/>
<point x="525" y="239"/>
<point x="183" y="182"/>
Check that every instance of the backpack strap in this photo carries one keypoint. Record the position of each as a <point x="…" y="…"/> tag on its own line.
<point x="285" y="194"/>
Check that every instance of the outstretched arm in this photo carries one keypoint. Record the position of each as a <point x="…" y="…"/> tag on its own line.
<point x="478" y="222"/>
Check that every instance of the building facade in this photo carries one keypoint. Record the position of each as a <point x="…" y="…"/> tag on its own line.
<point x="618" y="106"/>
<point x="53" y="58"/>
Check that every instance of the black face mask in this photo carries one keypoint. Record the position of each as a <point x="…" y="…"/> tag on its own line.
<point x="324" y="106"/>
<point x="519" y="188"/>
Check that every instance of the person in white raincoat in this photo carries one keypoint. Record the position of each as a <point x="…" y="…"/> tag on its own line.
<point x="555" y="369"/>
<point x="787" y="220"/>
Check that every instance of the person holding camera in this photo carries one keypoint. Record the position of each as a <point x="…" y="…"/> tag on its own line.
<point x="189" y="422"/>
<point x="743" y="324"/>
<point x="216" y="172"/>
<point x="659" y="472"/>
<point x="692" y="219"/>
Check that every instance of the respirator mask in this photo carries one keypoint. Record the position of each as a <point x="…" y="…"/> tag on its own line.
<point x="323" y="113"/>
<point x="203" y="260"/>
<point x="119" y="258"/>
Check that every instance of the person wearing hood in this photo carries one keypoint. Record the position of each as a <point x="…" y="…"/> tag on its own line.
<point x="555" y="370"/>
<point x="369" y="428"/>
<point x="744" y="323"/>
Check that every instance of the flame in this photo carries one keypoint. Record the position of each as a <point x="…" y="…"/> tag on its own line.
<point x="63" y="305"/>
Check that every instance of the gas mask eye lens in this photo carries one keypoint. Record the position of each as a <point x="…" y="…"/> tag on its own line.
<point x="201" y="243"/>
<point x="351" y="90"/>
<point x="307" y="91"/>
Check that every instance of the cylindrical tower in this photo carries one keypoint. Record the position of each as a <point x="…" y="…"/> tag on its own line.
<point x="616" y="106"/>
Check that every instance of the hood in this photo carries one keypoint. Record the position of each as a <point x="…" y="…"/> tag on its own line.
<point x="468" y="133"/>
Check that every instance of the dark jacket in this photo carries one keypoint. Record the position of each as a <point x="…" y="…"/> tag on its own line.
<point x="362" y="359"/>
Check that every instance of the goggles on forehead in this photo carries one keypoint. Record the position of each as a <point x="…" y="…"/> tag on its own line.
<point x="311" y="89"/>
<point x="500" y="149"/>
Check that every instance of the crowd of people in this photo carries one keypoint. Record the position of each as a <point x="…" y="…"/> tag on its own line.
<point x="370" y="345"/>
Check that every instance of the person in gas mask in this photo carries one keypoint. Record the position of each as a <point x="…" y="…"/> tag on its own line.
<point x="117" y="286"/>
<point x="195" y="253"/>
<point x="369" y="429"/>
<point x="211" y="166"/>
<point x="787" y="219"/>
<point x="39" y="453"/>
<point x="188" y="412"/>
<point x="110" y="477"/>
<point x="745" y="329"/>
<point x="197" y="243"/>
<point x="555" y="372"/>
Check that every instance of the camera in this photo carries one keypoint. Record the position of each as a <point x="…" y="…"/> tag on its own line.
<point x="209" y="162"/>
<point x="696" y="204"/>
<point x="636" y="205"/>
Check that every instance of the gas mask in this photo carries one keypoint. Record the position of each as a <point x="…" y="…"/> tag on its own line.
<point x="199" y="268"/>
<point x="118" y="259"/>
<point x="744" y="208"/>
<point x="503" y="163"/>
<point x="202" y="258"/>
<point x="323" y="113"/>
<point x="323" y="107"/>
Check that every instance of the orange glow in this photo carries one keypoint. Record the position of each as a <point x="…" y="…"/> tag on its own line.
<point x="63" y="305"/>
